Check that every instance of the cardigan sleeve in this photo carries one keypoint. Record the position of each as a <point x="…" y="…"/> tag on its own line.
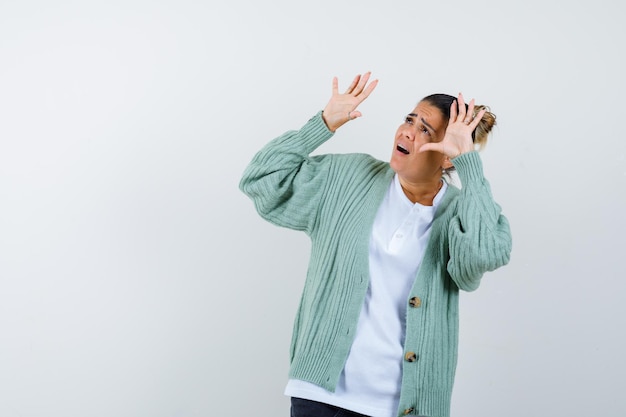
<point x="284" y="182"/>
<point x="480" y="236"/>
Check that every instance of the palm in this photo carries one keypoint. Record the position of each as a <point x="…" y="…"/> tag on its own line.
<point x="458" y="136"/>
<point x="341" y="108"/>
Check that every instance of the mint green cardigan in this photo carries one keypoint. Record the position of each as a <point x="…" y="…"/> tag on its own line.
<point x="334" y="199"/>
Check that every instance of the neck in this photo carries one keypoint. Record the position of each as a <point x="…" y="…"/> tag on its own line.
<point x="421" y="192"/>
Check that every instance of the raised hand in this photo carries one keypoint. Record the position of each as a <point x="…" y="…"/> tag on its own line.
<point x="342" y="107"/>
<point x="458" y="136"/>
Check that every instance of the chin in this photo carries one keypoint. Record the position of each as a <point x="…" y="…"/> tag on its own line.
<point x="395" y="164"/>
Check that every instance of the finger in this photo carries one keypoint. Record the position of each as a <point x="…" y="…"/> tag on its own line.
<point x="453" y="112"/>
<point x="461" y="108"/>
<point x="368" y="90"/>
<point x="354" y="84"/>
<point x="437" y="147"/>
<point x="470" y="107"/>
<point x="354" y="114"/>
<point x="470" y="112"/>
<point x="477" y="119"/>
<point x="361" y="85"/>
<point x="335" y="86"/>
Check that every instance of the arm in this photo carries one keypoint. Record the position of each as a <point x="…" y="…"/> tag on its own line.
<point x="284" y="182"/>
<point x="480" y="237"/>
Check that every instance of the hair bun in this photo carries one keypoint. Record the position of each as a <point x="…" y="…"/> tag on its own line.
<point x="487" y="122"/>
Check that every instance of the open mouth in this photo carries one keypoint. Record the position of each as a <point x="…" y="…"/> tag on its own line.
<point x="402" y="149"/>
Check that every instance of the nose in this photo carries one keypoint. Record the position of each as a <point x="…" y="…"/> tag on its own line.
<point x="407" y="132"/>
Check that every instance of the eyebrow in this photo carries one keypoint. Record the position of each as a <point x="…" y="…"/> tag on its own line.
<point x="423" y="121"/>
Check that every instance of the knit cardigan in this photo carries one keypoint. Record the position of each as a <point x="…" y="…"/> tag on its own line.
<point x="334" y="199"/>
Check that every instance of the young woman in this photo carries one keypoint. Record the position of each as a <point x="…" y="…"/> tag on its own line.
<point x="392" y="244"/>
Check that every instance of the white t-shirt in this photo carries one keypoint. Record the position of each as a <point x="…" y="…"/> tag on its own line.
<point x="372" y="376"/>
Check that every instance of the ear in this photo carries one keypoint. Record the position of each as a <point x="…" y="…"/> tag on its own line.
<point x="447" y="164"/>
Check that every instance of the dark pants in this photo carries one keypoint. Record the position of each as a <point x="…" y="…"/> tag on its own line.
<point x="308" y="408"/>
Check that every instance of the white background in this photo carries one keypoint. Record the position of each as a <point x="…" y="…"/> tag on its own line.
<point x="137" y="280"/>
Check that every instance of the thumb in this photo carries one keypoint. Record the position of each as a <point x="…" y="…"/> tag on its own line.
<point x="354" y="114"/>
<point x="437" y="147"/>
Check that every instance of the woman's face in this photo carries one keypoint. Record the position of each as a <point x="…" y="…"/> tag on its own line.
<point x="423" y="125"/>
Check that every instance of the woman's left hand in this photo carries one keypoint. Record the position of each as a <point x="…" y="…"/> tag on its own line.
<point x="458" y="136"/>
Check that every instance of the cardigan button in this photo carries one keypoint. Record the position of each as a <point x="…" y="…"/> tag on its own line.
<point x="415" y="302"/>
<point x="408" y="411"/>
<point x="410" y="357"/>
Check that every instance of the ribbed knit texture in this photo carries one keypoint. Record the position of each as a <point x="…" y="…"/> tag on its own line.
<point x="334" y="199"/>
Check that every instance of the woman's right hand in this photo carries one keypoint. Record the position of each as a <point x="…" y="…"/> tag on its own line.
<point x="342" y="107"/>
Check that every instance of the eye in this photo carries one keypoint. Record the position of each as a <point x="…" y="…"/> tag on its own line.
<point x="408" y="120"/>
<point x="425" y="131"/>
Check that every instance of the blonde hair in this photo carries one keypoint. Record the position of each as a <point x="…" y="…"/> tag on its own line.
<point x="487" y="122"/>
